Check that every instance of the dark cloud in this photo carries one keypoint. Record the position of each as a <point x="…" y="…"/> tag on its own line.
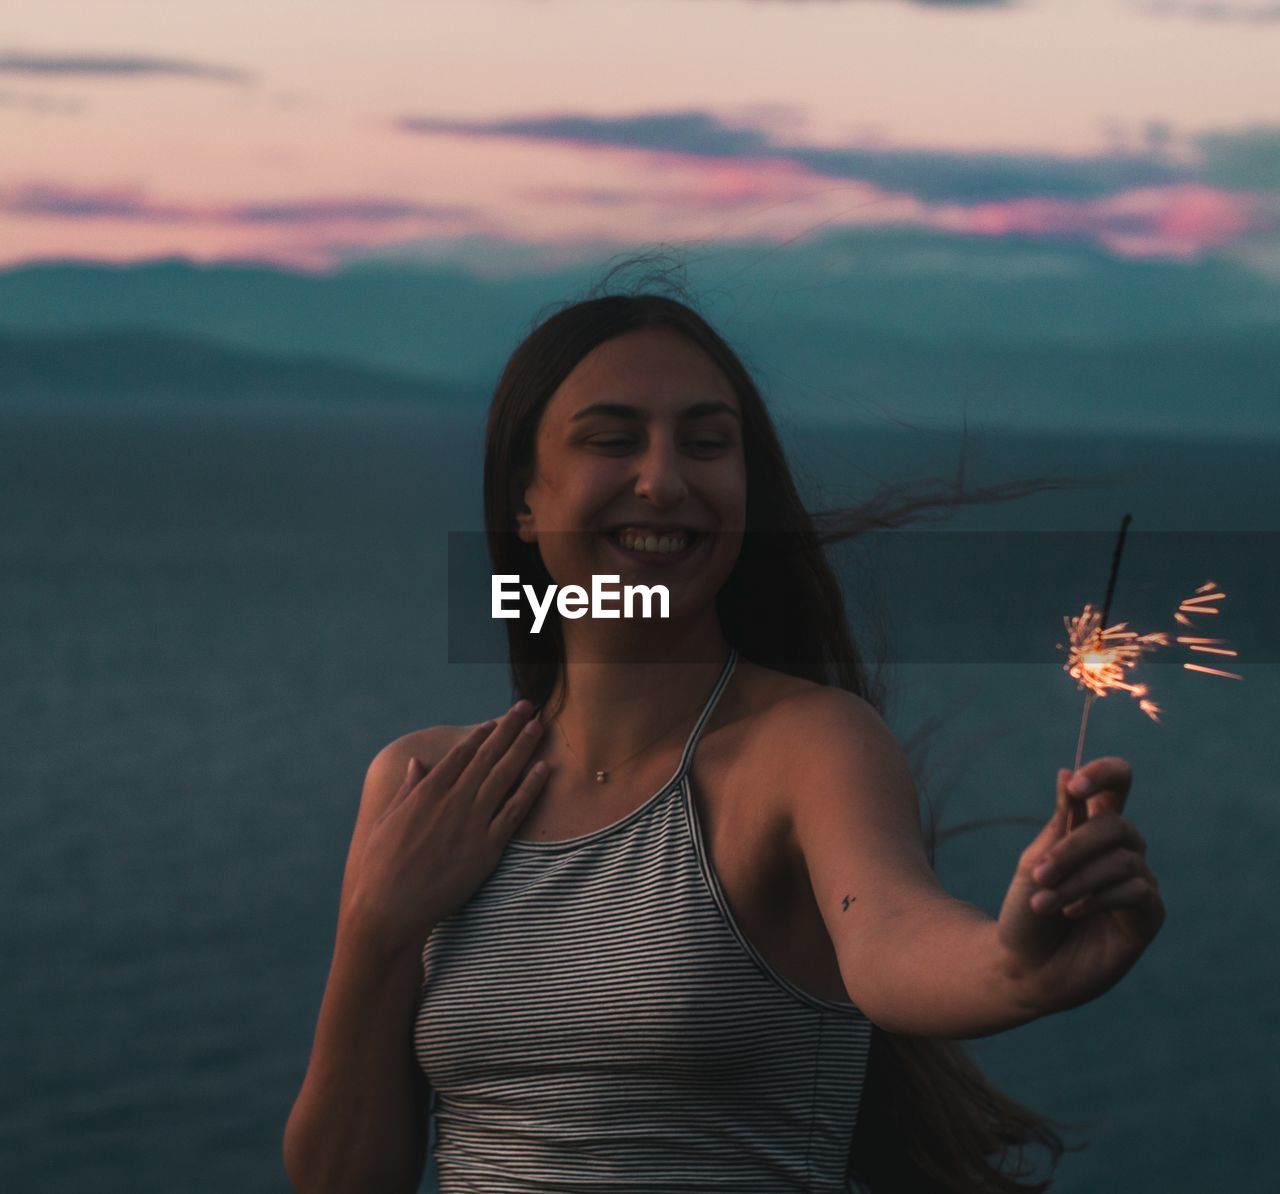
<point x="1245" y="160"/>
<point x="1215" y="10"/>
<point x="691" y="132"/>
<point x="114" y="66"/>
<point x="937" y="175"/>
<point x="917" y="3"/>
<point x="41" y="103"/>
<point x="931" y="175"/>
<point x="320" y="211"/>
<point x="40" y="199"/>
<point x="595" y="196"/>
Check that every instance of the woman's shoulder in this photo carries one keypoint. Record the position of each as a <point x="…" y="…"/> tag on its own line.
<point x="428" y="745"/>
<point x="789" y="726"/>
<point x="787" y="704"/>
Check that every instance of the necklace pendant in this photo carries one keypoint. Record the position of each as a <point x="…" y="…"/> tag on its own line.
<point x="602" y="777"/>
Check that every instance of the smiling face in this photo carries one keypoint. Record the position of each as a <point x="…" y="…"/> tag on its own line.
<point x="640" y="471"/>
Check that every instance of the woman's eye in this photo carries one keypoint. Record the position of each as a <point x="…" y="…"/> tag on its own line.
<point x="622" y="443"/>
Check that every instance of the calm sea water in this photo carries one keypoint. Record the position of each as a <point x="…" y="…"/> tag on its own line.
<point x="212" y="618"/>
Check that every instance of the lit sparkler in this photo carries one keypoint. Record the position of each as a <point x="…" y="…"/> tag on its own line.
<point x="1100" y="657"/>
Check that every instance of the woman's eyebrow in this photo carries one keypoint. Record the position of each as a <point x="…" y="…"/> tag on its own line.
<point x="620" y="410"/>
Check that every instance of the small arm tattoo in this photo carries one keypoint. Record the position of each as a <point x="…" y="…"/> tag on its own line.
<point x="848" y="900"/>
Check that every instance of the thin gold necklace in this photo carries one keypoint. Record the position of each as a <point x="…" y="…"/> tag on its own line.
<point x="602" y="777"/>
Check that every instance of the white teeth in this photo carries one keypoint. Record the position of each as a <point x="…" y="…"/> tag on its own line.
<point x="648" y="541"/>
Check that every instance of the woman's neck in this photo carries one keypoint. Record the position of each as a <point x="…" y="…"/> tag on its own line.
<point x="621" y="692"/>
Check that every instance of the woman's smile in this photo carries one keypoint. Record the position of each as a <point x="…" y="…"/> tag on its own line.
<point x="646" y="545"/>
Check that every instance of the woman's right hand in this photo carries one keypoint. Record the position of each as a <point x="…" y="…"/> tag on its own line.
<point x="445" y="830"/>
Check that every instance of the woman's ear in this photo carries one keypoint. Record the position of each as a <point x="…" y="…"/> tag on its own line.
<point x="524" y="525"/>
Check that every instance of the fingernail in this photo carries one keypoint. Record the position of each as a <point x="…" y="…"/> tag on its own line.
<point x="1044" y="874"/>
<point x="1080" y="785"/>
<point x="1044" y="901"/>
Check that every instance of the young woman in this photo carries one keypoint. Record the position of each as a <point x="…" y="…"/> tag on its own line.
<point x="670" y="923"/>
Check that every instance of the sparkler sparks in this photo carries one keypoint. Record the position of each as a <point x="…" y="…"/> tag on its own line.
<point x="1214" y="646"/>
<point x="1099" y="657"/>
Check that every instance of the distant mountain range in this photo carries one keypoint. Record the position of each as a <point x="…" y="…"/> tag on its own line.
<point x="1227" y="386"/>
<point x="418" y="322"/>
<point x="88" y="364"/>
<point x="851" y="328"/>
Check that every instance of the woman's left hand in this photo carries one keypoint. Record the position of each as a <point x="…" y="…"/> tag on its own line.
<point x="1101" y="908"/>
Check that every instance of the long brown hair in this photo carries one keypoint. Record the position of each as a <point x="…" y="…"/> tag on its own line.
<point x="929" y="1121"/>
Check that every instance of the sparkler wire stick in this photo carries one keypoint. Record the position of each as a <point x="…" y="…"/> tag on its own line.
<point x="1106" y="609"/>
<point x="1098" y="655"/>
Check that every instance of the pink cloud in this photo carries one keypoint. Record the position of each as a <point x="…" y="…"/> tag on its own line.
<point x="782" y="200"/>
<point x="55" y="201"/>
<point x="1177" y="221"/>
<point x="1174" y="220"/>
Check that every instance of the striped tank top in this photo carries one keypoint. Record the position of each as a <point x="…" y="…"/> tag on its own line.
<point x="594" y="1019"/>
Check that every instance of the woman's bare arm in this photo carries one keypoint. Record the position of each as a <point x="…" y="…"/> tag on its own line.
<point x="360" y="1121"/>
<point x="914" y="958"/>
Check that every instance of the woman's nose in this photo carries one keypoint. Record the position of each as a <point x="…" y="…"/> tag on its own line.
<point x="660" y="480"/>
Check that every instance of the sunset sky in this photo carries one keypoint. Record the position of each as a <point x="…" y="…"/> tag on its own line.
<point x="312" y="134"/>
